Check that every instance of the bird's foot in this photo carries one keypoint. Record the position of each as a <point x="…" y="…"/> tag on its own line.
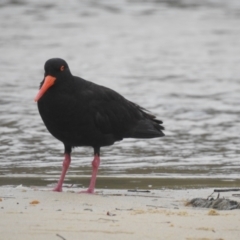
<point x="57" y="189"/>
<point x="90" y="191"/>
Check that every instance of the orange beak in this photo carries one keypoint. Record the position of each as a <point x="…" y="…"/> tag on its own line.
<point x="48" y="82"/>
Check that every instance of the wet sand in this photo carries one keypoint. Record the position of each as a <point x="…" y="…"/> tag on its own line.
<point x="38" y="213"/>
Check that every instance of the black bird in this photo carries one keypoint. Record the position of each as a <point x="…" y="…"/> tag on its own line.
<point x="80" y="113"/>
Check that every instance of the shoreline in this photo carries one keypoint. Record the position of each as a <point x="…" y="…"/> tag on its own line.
<point x="122" y="182"/>
<point x="38" y="213"/>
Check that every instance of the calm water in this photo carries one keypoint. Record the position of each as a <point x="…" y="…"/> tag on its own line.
<point x="179" y="59"/>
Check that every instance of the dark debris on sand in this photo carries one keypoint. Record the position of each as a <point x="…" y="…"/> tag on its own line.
<point x="219" y="203"/>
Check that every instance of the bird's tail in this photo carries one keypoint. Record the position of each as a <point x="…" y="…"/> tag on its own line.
<point x="147" y="128"/>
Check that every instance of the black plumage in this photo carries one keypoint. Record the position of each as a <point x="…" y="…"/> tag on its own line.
<point x="80" y="113"/>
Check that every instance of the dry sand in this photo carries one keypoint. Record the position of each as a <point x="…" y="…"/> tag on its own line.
<point x="37" y="213"/>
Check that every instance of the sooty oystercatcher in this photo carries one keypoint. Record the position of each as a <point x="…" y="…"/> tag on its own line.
<point x="80" y="113"/>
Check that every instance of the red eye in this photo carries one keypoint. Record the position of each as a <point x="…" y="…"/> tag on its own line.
<point x="61" y="68"/>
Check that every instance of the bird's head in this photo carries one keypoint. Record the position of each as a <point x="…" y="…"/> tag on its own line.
<point x="55" y="68"/>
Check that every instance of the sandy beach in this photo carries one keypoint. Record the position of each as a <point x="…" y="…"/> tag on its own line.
<point x="38" y="213"/>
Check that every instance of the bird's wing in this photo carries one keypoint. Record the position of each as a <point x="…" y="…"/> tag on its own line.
<point x="110" y="113"/>
<point x="113" y="114"/>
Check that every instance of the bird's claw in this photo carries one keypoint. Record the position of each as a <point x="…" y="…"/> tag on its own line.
<point x="57" y="189"/>
<point x="89" y="191"/>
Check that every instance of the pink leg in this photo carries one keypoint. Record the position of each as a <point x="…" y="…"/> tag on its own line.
<point x="66" y="163"/>
<point x="95" y="165"/>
